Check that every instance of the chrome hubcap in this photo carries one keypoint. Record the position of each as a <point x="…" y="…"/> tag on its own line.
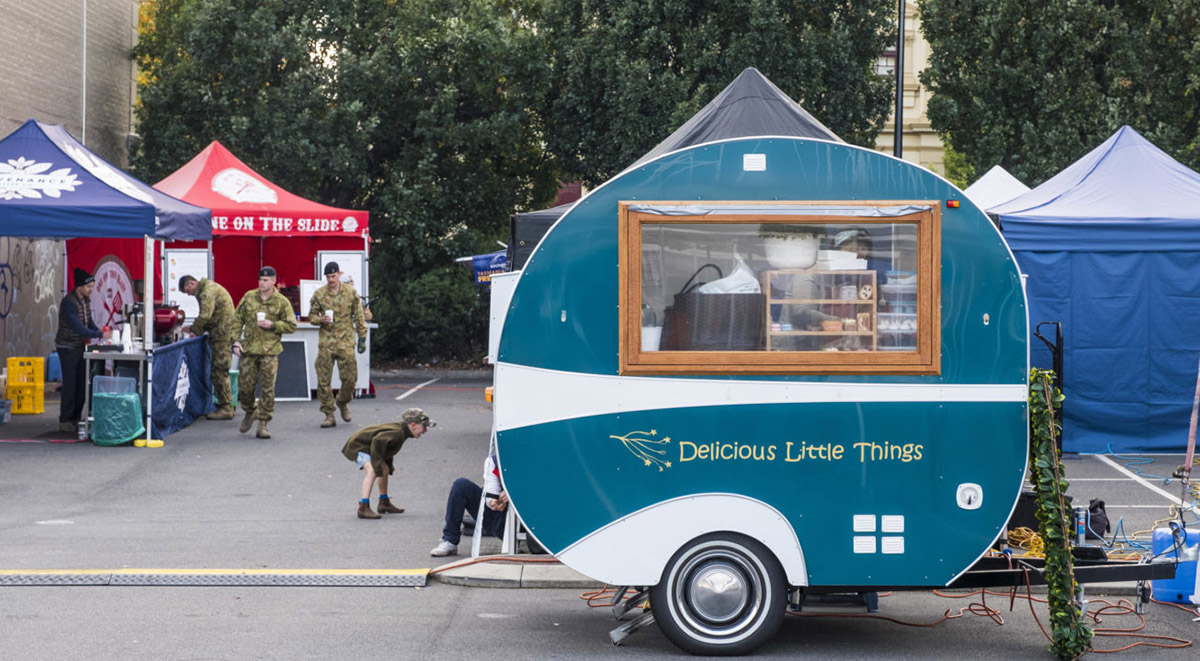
<point x="718" y="593"/>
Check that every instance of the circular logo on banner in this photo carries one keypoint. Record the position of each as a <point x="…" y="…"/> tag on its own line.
<point x="114" y="291"/>
<point x="239" y="186"/>
<point x="349" y="224"/>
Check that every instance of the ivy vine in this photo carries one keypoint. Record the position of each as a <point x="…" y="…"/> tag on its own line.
<point x="1071" y="637"/>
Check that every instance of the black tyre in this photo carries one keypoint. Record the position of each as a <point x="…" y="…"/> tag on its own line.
<point x="721" y="594"/>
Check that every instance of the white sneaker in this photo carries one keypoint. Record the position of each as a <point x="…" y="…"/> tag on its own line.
<point x="443" y="549"/>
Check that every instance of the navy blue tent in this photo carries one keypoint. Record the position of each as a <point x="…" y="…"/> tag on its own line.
<point x="51" y="186"/>
<point x="1111" y="247"/>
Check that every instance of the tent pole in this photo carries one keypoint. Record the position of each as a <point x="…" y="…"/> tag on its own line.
<point x="148" y="334"/>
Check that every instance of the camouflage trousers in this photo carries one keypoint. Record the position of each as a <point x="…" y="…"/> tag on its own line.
<point x="222" y="359"/>
<point x="347" y="369"/>
<point x="255" y="370"/>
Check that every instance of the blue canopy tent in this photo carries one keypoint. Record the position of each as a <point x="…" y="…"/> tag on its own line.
<point x="1110" y="246"/>
<point x="52" y="186"/>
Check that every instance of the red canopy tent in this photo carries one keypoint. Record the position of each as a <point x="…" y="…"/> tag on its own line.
<point x="255" y="223"/>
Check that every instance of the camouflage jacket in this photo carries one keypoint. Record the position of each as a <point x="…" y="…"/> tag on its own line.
<point x="381" y="441"/>
<point x="348" y="318"/>
<point x="258" y="341"/>
<point x="216" y="311"/>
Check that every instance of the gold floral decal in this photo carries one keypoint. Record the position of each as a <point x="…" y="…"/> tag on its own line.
<point x="641" y="446"/>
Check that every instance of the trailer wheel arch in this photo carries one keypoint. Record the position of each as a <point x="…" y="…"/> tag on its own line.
<point x="635" y="549"/>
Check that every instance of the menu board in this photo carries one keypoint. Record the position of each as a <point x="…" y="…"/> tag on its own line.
<point x="176" y="264"/>
<point x="352" y="263"/>
<point x="307" y="289"/>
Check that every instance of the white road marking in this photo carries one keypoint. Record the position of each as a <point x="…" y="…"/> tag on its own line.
<point x="55" y="522"/>
<point x="1125" y="471"/>
<point x="416" y="388"/>
<point x="1073" y="480"/>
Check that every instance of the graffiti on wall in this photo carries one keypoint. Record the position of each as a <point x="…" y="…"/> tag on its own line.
<point x="31" y="276"/>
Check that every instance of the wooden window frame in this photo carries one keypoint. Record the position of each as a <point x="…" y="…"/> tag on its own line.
<point x="926" y="359"/>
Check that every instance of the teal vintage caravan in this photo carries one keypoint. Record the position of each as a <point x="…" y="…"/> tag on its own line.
<point x="760" y="365"/>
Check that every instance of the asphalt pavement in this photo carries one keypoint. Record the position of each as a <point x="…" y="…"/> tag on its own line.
<point x="230" y="512"/>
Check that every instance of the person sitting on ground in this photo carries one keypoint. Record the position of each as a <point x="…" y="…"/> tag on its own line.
<point x="373" y="448"/>
<point x="464" y="498"/>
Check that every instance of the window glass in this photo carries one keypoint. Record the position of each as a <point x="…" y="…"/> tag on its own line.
<point x="816" y="293"/>
<point x="779" y="286"/>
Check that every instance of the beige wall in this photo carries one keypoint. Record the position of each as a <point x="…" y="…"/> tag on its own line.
<point x="42" y="67"/>
<point x="921" y="144"/>
<point x="41" y="77"/>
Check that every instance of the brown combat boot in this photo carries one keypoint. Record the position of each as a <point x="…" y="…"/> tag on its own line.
<point x="329" y="421"/>
<point x="246" y="422"/>
<point x="223" y="413"/>
<point x="345" y="409"/>
<point x="263" y="432"/>
<point x="364" y="512"/>
<point x="386" y="507"/>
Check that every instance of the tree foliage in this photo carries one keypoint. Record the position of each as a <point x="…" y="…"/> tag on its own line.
<point x="1033" y="85"/>
<point x="628" y="72"/>
<point x="421" y="111"/>
<point x="442" y="117"/>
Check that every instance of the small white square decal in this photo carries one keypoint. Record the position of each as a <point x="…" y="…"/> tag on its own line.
<point x="864" y="523"/>
<point x="754" y="162"/>
<point x="864" y="544"/>
<point x="893" y="545"/>
<point x="892" y="523"/>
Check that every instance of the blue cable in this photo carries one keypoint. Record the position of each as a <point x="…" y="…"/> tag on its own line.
<point x="1120" y="530"/>
<point x="1135" y="462"/>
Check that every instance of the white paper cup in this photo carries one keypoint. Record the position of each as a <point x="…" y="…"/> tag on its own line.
<point x="651" y="337"/>
<point x="262" y="316"/>
<point x="329" y="313"/>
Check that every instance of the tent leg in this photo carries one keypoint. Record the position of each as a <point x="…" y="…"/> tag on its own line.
<point x="148" y="337"/>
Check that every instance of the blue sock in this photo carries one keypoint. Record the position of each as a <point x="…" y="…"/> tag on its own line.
<point x="383" y="496"/>
<point x="364" y="501"/>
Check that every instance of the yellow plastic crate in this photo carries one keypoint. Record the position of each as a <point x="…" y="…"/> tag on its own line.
<point x="27" y="398"/>
<point x="24" y="371"/>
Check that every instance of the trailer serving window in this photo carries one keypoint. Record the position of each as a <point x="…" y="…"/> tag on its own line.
<point x="780" y="288"/>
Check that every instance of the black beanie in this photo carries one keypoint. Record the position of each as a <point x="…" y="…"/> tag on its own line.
<point x="83" y="277"/>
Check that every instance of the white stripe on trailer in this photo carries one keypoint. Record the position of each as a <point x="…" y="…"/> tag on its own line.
<point x="552" y="395"/>
<point x="416" y="388"/>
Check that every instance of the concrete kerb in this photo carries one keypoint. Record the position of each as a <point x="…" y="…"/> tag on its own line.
<point x="510" y="571"/>
<point x="425" y="374"/>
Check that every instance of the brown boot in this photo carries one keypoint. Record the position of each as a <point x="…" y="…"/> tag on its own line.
<point x="223" y="413"/>
<point x="246" y="422"/>
<point x="364" y="512"/>
<point x="329" y="421"/>
<point x="263" y="432"/>
<point x="386" y="507"/>
<point x="345" y="409"/>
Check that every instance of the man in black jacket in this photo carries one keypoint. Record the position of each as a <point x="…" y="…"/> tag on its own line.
<point x="75" y="327"/>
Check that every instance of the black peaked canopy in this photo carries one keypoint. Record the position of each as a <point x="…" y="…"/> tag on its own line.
<point x="749" y="106"/>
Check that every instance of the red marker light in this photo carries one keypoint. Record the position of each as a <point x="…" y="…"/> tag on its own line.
<point x="952" y="204"/>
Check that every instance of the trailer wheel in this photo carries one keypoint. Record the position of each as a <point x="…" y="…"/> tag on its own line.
<point x="721" y="594"/>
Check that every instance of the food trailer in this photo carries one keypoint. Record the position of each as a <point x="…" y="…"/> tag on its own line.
<point x="757" y="366"/>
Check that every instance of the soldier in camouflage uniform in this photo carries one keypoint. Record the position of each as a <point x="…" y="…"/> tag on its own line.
<point x="336" y="340"/>
<point x="260" y="347"/>
<point x="216" y="319"/>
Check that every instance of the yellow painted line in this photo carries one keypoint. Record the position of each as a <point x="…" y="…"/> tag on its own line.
<point x="206" y="572"/>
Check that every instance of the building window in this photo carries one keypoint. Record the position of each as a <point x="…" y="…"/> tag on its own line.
<point x="780" y="288"/>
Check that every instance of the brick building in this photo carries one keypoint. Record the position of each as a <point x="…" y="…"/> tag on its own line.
<point x="59" y="68"/>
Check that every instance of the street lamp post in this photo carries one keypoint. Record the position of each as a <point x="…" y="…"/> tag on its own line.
<point x="897" y="132"/>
